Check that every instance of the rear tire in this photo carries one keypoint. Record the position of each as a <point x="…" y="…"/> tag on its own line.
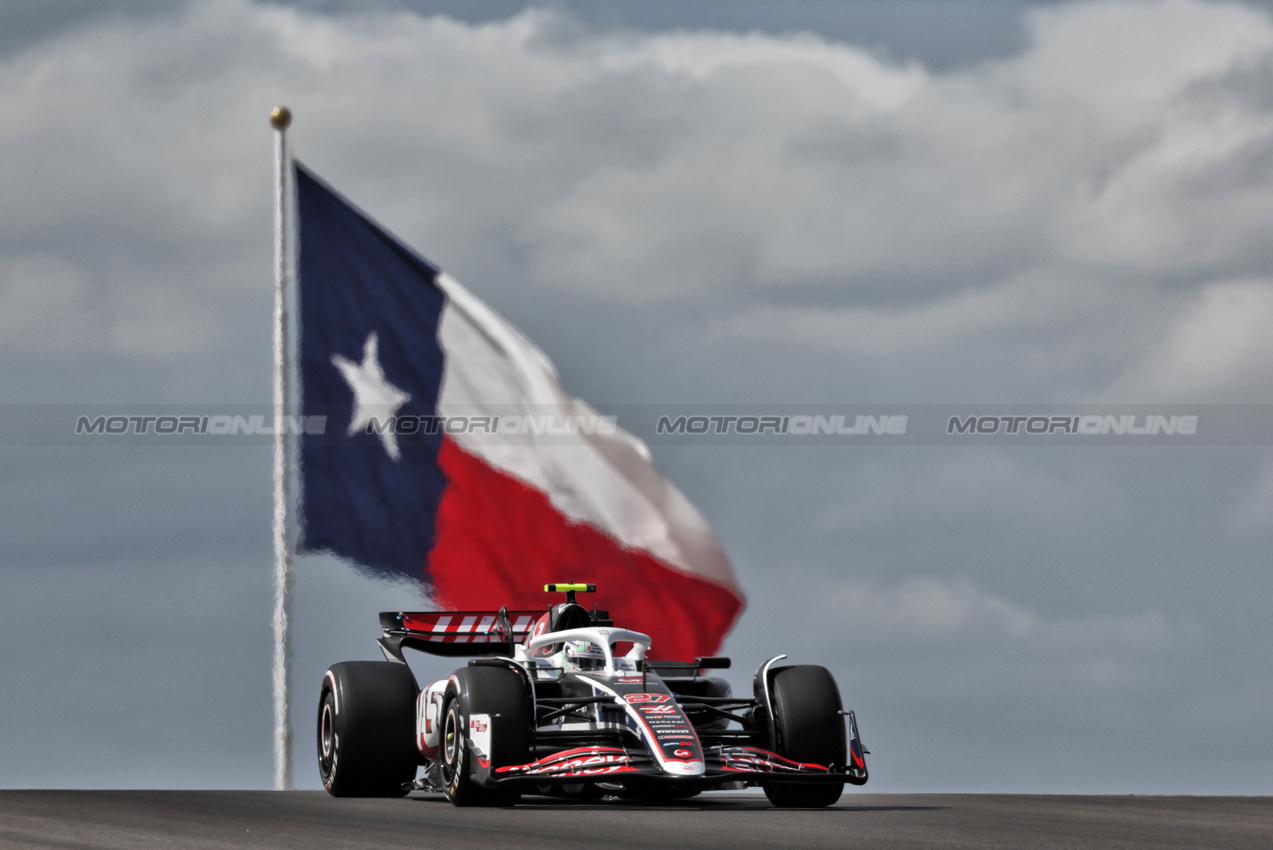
<point x="500" y="693"/>
<point x="366" y="729"/>
<point x="809" y="727"/>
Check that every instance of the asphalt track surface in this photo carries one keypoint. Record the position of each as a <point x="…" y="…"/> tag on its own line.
<point x="305" y="819"/>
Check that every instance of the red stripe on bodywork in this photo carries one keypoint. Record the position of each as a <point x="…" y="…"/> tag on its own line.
<point x="755" y="758"/>
<point x="613" y="760"/>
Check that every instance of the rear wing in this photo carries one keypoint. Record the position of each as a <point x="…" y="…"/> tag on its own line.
<point x="456" y="633"/>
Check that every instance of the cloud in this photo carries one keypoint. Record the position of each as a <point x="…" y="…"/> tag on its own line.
<point x="1218" y="342"/>
<point x="966" y="491"/>
<point x="1255" y="512"/>
<point x="799" y="184"/>
<point x="927" y="608"/>
<point x="837" y="175"/>
<point x="45" y="303"/>
<point x="942" y="616"/>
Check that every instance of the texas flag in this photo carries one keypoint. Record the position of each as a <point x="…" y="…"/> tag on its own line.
<point x="453" y="455"/>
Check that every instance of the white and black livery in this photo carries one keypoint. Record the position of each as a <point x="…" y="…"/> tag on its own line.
<point x="561" y="702"/>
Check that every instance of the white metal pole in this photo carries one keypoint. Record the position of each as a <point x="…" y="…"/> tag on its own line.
<point x="280" y="118"/>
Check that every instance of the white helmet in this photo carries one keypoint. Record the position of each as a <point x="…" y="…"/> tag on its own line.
<point x="577" y="655"/>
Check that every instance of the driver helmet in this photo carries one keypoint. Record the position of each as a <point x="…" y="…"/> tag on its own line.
<point x="577" y="655"/>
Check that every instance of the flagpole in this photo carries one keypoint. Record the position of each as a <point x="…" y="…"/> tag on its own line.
<point x="280" y="118"/>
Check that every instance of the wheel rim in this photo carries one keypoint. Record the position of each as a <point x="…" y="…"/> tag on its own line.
<point x="449" y="737"/>
<point x="452" y="747"/>
<point x="327" y="742"/>
<point x="327" y="732"/>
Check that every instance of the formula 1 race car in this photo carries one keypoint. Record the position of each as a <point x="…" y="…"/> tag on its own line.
<point x="547" y="705"/>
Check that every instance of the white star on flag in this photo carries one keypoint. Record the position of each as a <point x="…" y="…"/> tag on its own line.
<point x="373" y="394"/>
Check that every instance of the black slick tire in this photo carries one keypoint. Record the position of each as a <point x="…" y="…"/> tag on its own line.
<point x="366" y="729"/>
<point x="809" y="729"/>
<point x="500" y="693"/>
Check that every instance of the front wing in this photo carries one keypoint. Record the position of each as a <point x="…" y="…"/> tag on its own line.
<point x="730" y="763"/>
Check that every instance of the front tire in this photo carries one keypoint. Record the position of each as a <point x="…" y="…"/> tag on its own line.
<point x="366" y="729"/>
<point x="499" y="693"/>
<point x="810" y="729"/>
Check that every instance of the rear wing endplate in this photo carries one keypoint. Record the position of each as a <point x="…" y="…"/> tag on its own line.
<point x="468" y="634"/>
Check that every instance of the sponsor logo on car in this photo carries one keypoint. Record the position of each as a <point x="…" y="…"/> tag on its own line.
<point x="566" y="764"/>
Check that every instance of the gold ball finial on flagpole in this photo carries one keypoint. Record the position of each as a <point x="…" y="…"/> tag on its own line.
<point x="280" y="117"/>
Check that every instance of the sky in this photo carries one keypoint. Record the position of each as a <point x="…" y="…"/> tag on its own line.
<point x="756" y="203"/>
